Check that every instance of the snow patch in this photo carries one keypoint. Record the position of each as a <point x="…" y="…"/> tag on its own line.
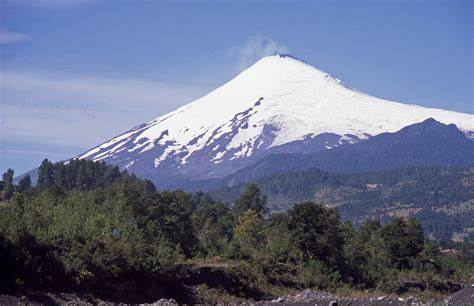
<point x="279" y="91"/>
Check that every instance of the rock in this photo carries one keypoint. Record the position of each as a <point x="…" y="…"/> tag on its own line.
<point x="163" y="302"/>
<point x="280" y="299"/>
<point x="463" y="297"/>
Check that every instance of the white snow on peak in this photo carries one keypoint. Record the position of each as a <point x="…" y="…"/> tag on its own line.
<point x="286" y="93"/>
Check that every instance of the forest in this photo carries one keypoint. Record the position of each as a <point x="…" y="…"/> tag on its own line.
<point x="440" y="197"/>
<point x="89" y="228"/>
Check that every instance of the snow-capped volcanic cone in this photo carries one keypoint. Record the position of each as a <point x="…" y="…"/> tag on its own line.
<point x="280" y="104"/>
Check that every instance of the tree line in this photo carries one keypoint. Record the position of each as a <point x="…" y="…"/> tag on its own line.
<point x="427" y="190"/>
<point x="91" y="228"/>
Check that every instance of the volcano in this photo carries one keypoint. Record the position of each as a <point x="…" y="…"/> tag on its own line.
<point x="278" y="105"/>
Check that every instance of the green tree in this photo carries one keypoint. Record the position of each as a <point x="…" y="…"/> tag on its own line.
<point x="45" y="174"/>
<point x="24" y="184"/>
<point x="403" y="241"/>
<point x="251" y="198"/>
<point x="249" y="232"/>
<point x="214" y="225"/>
<point x="8" y="188"/>
<point x="363" y="254"/>
<point x="170" y="218"/>
<point x="61" y="176"/>
<point x="315" y="232"/>
<point x="111" y="174"/>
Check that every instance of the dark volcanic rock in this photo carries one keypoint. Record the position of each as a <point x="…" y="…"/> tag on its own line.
<point x="464" y="297"/>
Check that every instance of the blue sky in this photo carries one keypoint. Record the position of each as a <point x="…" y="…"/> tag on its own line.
<point x="77" y="72"/>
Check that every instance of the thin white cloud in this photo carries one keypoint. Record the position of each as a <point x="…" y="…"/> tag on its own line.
<point x="82" y="110"/>
<point x="256" y="48"/>
<point x="93" y="91"/>
<point x="50" y="3"/>
<point x="36" y="152"/>
<point x="9" y="37"/>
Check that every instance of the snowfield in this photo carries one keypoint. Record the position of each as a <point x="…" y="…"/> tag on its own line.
<point x="278" y="101"/>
